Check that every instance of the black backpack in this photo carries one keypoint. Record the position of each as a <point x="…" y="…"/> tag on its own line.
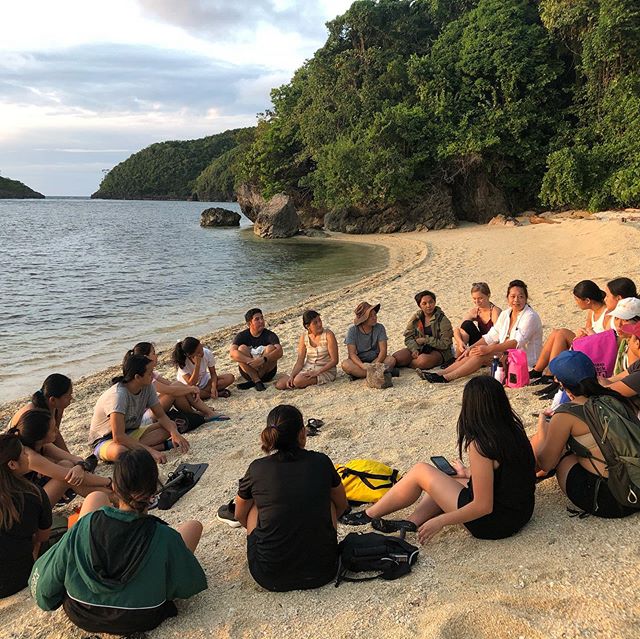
<point x="616" y="430"/>
<point x="391" y="557"/>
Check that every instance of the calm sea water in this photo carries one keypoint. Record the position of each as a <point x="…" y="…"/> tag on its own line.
<point x="83" y="280"/>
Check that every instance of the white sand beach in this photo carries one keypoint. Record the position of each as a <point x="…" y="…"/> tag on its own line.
<point x="560" y="577"/>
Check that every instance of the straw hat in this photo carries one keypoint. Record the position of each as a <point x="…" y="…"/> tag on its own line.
<point x="362" y="312"/>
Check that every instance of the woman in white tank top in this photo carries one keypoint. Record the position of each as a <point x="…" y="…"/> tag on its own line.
<point x="589" y="297"/>
<point x="317" y="356"/>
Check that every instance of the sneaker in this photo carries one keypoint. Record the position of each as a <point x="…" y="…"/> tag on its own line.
<point x="246" y="385"/>
<point x="226" y="514"/>
<point x="356" y="519"/>
<point x="260" y="386"/>
<point x="388" y="526"/>
<point x="434" y="378"/>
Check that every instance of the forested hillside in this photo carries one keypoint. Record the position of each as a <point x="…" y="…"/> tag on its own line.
<point x="10" y="189"/>
<point x="169" y="170"/>
<point x="503" y="104"/>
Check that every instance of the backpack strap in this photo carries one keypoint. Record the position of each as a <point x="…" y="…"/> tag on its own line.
<point x="365" y="477"/>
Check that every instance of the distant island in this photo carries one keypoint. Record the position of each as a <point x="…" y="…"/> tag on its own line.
<point x="13" y="189"/>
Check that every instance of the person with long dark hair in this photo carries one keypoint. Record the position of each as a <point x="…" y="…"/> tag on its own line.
<point x="582" y="477"/>
<point x="588" y="297"/>
<point x="55" y="395"/>
<point x="518" y="326"/>
<point x="118" y="570"/>
<point x="115" y="426"/>
<point x="184" y="397"/>
<point x="288" y="501"/>
<point x="25" y="516"/>
<point x="197" y="367"/>
<point x="50" y="467"/>
<point x="493" y="498"/>
<point x="618" y="289"/>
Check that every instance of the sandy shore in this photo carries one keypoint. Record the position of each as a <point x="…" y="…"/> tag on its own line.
<point x="560" y="577"/>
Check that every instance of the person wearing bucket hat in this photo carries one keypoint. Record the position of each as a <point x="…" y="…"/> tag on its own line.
<point x="583" y="479"/>
<point x="366" y="342"/>
<point x="627" y="383"/>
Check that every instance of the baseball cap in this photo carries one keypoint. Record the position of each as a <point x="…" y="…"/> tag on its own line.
<point x="572" y="367"/>
<point x="631" y="329"/>
<point x="627" y="308"/>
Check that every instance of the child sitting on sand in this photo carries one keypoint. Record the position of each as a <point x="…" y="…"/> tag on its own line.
<point x="118" y="570"/>
<point x="493" y="498"/>
<point x="25" y="516"/>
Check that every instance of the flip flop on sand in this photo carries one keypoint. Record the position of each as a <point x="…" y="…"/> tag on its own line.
<point x="218" y="417"/>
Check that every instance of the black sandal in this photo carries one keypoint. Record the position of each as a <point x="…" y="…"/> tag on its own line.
<point x="393" y="525"/>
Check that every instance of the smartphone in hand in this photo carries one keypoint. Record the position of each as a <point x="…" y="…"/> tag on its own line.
<point x="442" y="464"/>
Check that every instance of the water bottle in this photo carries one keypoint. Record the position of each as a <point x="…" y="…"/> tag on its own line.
<point x="494" y="365"/>
<point x="499" y="374"/>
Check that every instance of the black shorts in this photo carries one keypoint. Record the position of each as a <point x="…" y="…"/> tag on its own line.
<point x="581" y="490"/>
<point x="495" y="525"/>
<point x="267" y="376"/>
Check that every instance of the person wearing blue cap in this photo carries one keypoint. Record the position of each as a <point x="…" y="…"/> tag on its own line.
<point x="563" y="442"/>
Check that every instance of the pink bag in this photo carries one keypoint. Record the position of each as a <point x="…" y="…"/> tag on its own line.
<point x="601" y="349"/>
<point x="517" y="373"/>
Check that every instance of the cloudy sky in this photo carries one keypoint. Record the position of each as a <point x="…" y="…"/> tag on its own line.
<point x="85" y="83"/>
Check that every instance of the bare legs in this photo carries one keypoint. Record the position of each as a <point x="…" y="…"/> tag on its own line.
<point x="465" y="366"/>
<point x="301" y="380"/>
<point x="353" y="369"/>
<point x="425" y="361"/>
<point x="256" y="373"/>
<point x="560" y="339"/>
<point x="442" y="494"/>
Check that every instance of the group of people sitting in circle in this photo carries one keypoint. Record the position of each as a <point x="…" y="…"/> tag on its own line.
<point x="118" y="569"/>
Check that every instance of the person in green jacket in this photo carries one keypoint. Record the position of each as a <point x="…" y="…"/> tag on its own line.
<point x="427" y="337"/>
<point x="118" y="570"/>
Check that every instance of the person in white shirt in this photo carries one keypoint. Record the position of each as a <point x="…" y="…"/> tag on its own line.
<point x="518" y="326"/>
<point x="197" y="367"/>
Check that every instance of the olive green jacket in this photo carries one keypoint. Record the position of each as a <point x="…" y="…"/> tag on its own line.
<point x="441" y="333"/>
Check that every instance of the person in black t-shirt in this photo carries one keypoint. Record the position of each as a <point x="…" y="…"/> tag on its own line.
<point x="493" y="498"/>
<point x="257" y="351"/>
<point x="25" y="516"/>
<point x="289" y="502"/>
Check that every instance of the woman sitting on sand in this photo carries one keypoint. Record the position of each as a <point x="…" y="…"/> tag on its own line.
<point x="616" y="290"/>
<point x="25" y="516"/>
<point x="118" y="570"/>
<point x="55" y="395"/>
<point x="117" y="416"/>
<point x="173" y="394"/>
<point x="317" y="355"/>
<point x="493" y="497"/>
<point x="197" y="367"/>
<point x="50" y="467"/>
<point x="518" y="326"/>
<point x="588" y="297"/>
<point x="583" y="480"/>
<point x="289" y="501"/>
<point x="427" y="336"/>
<point x="478" y="320"/>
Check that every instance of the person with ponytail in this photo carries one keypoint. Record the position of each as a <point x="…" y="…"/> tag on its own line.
<point x="183" y="397"/>
<point x="50" y="467"/>
<point x="25" y="516"/>
<point x="289" y="501"/>
<point x="117" y="416"/>
<point x="197" y="367"/>
<point x="588" y="297"/>
<point x="55" y="395"/>
<point x="118" y="570"/>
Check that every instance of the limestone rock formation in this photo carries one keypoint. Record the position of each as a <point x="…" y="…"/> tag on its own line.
<point x="250" y="200"/>
<point x="217" y="216"/>
<point x="502" y="220"/>
<point x="277" y="218"/>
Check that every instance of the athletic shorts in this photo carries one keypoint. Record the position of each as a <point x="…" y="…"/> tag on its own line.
<point x="267" y="376"/>
<point x="581" y="490"/>
<point x="100" y="447"/>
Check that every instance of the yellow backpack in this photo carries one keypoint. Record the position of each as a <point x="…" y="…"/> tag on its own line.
<point x="366" y="480"/>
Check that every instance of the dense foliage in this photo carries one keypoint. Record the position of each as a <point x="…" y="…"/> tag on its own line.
<point x="167" y="170"/>
<point x="12" y="189"/>
<point x="529" y="103"/>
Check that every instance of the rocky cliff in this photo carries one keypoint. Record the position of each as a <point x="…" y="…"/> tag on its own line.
<point x="13" y="189"/>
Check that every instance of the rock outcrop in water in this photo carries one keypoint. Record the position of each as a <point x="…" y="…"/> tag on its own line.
<point x="217" y="216"/>
<point x="13" y="189"/>
<point x="277" y="218"/>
